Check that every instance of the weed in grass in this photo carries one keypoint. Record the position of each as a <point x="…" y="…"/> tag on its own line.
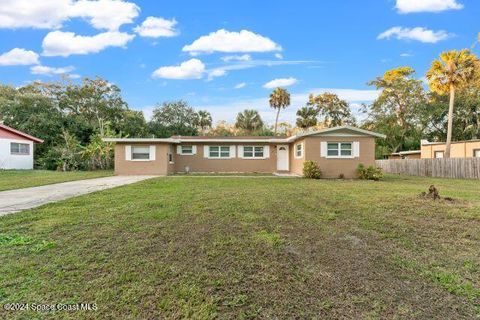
<point x="14" y="240"/>
<point x="271" y="238"/>
<point x="43" y="246"/>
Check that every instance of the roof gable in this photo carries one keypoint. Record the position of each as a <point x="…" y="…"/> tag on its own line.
<point x="343" y="131"/>
<point x="9" y="132"/>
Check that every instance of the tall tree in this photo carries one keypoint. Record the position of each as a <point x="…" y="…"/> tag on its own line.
<point x="174" y="118"/>
<point x="335" y="111"/>
<point x="452" y="71"/>
<point x="306" y="117"/>
<point x="204" y="120"/>
<point x="279" y="99"/>
<point x="395" y="112"/>
<point x="249" y="120"/>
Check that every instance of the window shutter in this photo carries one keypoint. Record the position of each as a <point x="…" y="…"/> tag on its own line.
<point x="194" y="149"/>
<point x="179" y="149"/>
<point x="232" y="152"/>
<point x="152" y="153"/>
<point x="205" y="151"/>
<point x="323" y="149"/>
<point x="128" y="153"/>
<point x="356" y="149"/>
<point x="266" y="152"/>
<point x="240" y="152"/>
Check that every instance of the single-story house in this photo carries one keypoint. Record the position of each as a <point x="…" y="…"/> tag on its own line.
<point x="338" y="151"/>
<point x="16" y="148"/>
<point x="458" y="149"/>
<point x="410" y="154"/>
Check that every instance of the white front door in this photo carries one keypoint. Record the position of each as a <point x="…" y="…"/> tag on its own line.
<point x="282" y="157"/>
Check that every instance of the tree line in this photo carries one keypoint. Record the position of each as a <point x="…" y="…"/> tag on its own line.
<point x="73" y="118"/>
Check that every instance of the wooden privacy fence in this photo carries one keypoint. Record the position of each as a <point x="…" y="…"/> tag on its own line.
<point x="460" y="168"/>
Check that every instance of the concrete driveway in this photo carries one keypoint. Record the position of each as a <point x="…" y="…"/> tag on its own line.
<point x="17" y="200"/>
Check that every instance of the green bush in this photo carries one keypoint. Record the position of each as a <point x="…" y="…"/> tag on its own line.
<point x="311" y="170"/>
<point x="369" y="173"/>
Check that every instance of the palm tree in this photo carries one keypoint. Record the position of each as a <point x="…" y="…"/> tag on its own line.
<point x="249" y="120"/>
<point x="279" y="99"/>
<point x="306" y="117"/>
<point x="204" y="120"/>
<point x="454" y="70"/>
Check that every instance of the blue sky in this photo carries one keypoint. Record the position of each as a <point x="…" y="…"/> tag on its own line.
<point x="232" y="55"/>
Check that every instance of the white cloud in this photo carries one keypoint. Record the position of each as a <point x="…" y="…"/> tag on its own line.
<point x="406" y="55"/>
<point x="243" y="57"/>
<point x="49" y="71"/>
<point x="154" y="27"/>
<point x="417" y="33"/>
<point x="282" y="82"/>
<point x="59" y="43"/>
<point x="278" y="55"/>
<point x="226" y="41"/>
<point x="50" y="14"/>
<point x="191" y="69"/>
<point x="411" y="6"/>
<point x="216" y="73"/>
<point x="240" y="85"/>
<point x="18" y="57"/>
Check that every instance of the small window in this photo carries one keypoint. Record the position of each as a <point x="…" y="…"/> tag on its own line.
<point x="140" y="153"/>
<point x="339" y="149"/>
<point x="476" y="153"/>
<point x="170" y="157"/>
<point x="20" y="149"/>
<point x="219" y="152"/>
<point x="253" y="152"/>
<point x="186" y="150"/>
<point x="439" y="154"/>
<point x="299" y="150"/>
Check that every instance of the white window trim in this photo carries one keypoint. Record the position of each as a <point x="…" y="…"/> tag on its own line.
<point x="180" y="150"/>
<point x="151" y="154"/>
<point x="295" y="151"/>
<point x="266" y="152"/>
<point x="339" y="149"/>
<point x="231" y="153"/>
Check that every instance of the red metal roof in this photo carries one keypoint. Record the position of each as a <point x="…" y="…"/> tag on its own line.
<point x="20" y="133"/>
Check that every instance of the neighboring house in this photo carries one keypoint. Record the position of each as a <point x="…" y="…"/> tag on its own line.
<point x="336" y="150"/>
<point x="411" y="154"/>
<point x="459" y="149"/>
<point x="16" y="148"/>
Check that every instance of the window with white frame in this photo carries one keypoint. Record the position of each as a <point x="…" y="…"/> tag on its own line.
<point x="253" y="152"/>
<point x="339" y="149"/>
<point x="299" y="150"/>
<point x="22" y="149"/>
<point x="438" y="154"/>
<point x="186" y="150"/>
<point x="219" y="152"/>
<point x="140" y="152"/>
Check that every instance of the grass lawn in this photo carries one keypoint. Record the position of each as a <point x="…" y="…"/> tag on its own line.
<point x="250" y="248"/>
<point x="16" y="179"/>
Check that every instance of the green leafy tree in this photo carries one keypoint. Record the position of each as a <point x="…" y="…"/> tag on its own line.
<point x="279" y="99"/>
<point x="395" y="112"/>
<point x="249" y="121"/>
<point x="174" y="118"/>
<point x="306" y="117"/>
<point x="452" y="71"/>
<point x="204" y="120"/>
<point x="335" y="111"/>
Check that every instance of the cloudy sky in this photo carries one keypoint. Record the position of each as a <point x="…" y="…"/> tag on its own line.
<point x="224" y="57"/>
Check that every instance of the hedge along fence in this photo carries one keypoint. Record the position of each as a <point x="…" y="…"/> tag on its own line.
<point x="460" y="168"/>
